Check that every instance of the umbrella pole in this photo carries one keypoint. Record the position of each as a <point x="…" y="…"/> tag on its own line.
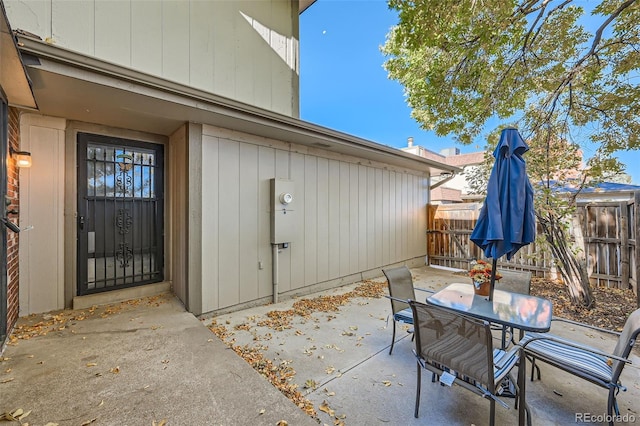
<point x="493" y="278"/>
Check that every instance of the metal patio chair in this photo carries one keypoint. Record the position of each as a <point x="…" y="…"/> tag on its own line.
<point x="401" y="290"/>
<point x="515" y="282"/>
<point x="586" y="362"/>
<point x="460" y="349"/>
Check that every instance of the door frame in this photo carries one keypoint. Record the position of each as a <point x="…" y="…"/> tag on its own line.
<point x="134" y="142"/>
<point x="4" y="148"/>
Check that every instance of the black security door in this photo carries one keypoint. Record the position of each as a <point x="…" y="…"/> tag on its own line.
<point x="120" y="213"/>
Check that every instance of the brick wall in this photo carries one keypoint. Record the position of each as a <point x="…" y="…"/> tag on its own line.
<point x="12" y="238"/>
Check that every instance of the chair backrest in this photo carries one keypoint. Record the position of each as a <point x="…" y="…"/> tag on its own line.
<point x="400" y="284"/>
<point x="626" y="341"/>
<point x="456" y="341"/>
<point x="514" y="281"/>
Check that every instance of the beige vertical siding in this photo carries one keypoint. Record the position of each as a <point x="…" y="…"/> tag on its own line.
<point x="349" y="217"/>
<point x="178" y="177"/>
<point x="266" y="170"/>
<point x="41" y="215"/>
<point x="244" y="50"/>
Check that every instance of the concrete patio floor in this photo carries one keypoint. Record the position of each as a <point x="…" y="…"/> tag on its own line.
<point x="342" y="358"/>
<point x="148" y="360"/>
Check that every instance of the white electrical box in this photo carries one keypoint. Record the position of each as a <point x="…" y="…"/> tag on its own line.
<point x="283" y="200"/>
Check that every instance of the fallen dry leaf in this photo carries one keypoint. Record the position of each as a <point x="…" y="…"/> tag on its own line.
<point x="11" y="379"/>
<point x="88" y="422"/>
<point x="282" y="423"/>
<point x="7" y="416"/>
<point x="115" y="370"/>
<point x="325" y="408"/>
<point x="22" y="416"/>
<point x="611" y="309"/>
<point x="91" y="364"/>
<point x="281" y="375"/>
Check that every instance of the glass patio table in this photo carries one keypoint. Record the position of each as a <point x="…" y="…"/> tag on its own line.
<point x="521" y="311"/>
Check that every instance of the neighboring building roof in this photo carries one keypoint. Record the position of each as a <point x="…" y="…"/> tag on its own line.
<point x="451" y="191"/>
<point x="604" y="191"/>
<point x="445" y="195"/>
<point x="449" y="156"/>
<point x="469" y="159"/>
<point x="599" y="188"/>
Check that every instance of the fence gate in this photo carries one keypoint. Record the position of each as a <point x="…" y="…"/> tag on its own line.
<point x="120" y="213"/>
<point x="610" y="242"/>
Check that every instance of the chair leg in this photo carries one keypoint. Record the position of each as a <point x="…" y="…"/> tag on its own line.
<point x="492" y="412"/>
<point x="534" y="367"/>
<point x="419" y="377"/>
<point x="393" y="336"/>
<point x="612" y="405"/>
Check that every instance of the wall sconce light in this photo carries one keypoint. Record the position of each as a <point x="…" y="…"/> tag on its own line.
<point x="22" y="158"/>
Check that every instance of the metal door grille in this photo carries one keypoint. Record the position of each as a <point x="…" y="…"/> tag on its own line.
<point x="120" y="213"/>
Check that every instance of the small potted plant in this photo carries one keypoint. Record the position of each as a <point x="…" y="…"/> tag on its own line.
<point x="480" y="274"/>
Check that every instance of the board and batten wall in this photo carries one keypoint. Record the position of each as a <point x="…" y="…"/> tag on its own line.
<point x="352" y="216"/>
<point x="244" y="50"/>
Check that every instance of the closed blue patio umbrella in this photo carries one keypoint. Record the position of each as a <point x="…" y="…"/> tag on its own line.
<point x="507" y="219"/>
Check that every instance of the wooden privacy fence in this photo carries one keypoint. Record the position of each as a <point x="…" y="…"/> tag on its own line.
<point x="608" y="231"/>
<point x="449" y="244"/>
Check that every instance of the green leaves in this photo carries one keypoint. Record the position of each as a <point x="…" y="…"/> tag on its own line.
<point x="556" y="69"/>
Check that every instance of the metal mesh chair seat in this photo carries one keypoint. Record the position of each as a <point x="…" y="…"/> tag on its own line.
<point x="583" y="361"/>
<point x="404" y="316"/>
<point x="503" y="362"/>
<point x="451" y="343"/>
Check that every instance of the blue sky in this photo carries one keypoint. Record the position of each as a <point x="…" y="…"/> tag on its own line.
<point x="344" y="87"/>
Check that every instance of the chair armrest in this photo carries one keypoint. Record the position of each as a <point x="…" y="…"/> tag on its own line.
<point x="581" y="324"/>
<point x="572" y="344"/>
<point x="425" y="290"/>
<point x="396" y="299"/>
<point x="507" y="356"/>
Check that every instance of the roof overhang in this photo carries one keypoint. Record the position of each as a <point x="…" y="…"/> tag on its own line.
<point x="304" y="5"/>
<point x="13" y="77"/>
<point x="70" y="85"/>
